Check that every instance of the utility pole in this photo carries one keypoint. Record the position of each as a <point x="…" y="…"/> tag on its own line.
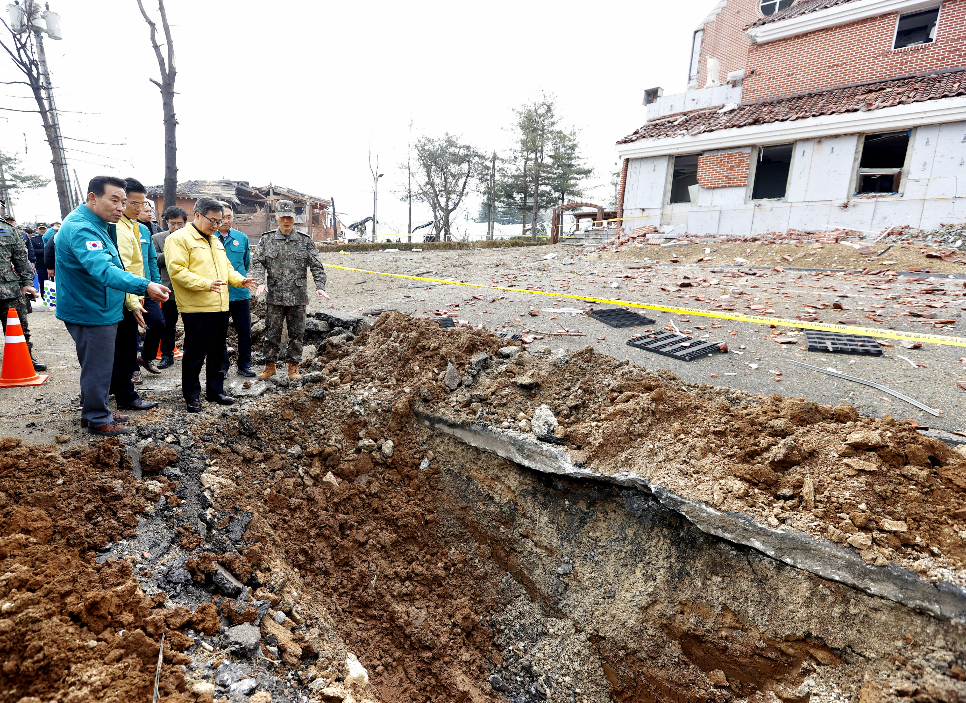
<point x="52" y="108"/>
<point x="491" y="216"/>
<point x="27" y="52"/>
<point x="375" y="193"/>
<point x="409" y="182"/>
<point x="335" y="221"/>
<point x="6" y="207"/>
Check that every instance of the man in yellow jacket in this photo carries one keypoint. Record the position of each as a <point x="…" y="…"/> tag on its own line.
<point x="200" y="275"/>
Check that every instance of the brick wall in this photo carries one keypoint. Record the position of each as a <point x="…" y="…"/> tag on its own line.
<point x="620" y="191"/>
<point x="725" y="38"/>
<point x="853" y="53"/>
<point x="724" y="170"/>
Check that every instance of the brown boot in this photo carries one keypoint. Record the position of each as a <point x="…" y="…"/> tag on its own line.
<point x="293" y="371"/>
<point x="268" y="372"/>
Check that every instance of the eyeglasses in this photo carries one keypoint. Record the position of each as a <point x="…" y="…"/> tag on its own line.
<point x="137" y="205"/>
<point x="216" y="223"/>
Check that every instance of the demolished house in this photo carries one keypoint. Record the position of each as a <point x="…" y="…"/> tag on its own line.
<point x="813" y="114"/>
<point x="254" y="208"/>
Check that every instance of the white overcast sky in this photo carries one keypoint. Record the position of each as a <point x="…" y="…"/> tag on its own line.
<point x="296" y="93"/>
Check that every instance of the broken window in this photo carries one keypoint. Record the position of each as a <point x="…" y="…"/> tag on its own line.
<point x="685" y="174"/>
<point x="770" y="7"/>
<point x="883" y="156"/>
<point x="916" y="28"/>
<point x="771" y="172"/>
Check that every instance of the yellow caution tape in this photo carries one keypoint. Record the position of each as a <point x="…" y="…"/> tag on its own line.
<point x="717" y="314"/>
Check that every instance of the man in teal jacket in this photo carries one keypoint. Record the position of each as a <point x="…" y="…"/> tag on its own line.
<point x="91" y="284"/>
<point x="153" y="317"/>
<point x="239" y="299"/>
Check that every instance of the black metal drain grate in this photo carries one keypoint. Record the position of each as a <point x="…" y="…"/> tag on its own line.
<point x="676" y="346"/>
<point x="619" y="317"/>
<point x="445" y="322"/>
<point x="839" y="343"/>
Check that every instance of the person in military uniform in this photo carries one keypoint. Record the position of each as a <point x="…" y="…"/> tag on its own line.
<point x="282" y="259"/>
<point x="16" y="280"/>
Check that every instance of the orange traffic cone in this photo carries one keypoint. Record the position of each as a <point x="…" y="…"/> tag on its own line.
<point x="18" y="369"/>
<point x="177" y="353"/>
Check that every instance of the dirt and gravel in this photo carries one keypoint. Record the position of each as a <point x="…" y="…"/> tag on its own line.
<point x="318" y="542"/>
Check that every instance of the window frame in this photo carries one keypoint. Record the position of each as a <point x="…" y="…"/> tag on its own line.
<point x="901" y="172"/>
<point x="670" y="180"/>
<point x="756" y="153"/>
<point x="899" y="16"/>
<point x="777" y="4"/>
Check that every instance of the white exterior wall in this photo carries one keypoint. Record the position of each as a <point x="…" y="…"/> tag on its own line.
<point x="820" y="192"/>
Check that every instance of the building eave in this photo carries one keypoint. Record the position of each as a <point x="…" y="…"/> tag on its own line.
<point x="881" y="120"/>
<point x="834" y="17"/>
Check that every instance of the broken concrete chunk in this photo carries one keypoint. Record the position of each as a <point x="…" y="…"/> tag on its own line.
<point x="509" y="352"/>
<point x="452" y="377"/>
<point x="786" y="455"/>
<point x="859" y="541"/>
<point x="893" y="525"/>
<point x="480" y="361"/>
<point x="543" y="421"/>
<point x="565" y="569"/>
<point x="226" y="583"/>
<point x="356" y="672"/>
<point x="865" y="439"/>
<point x="388" y="448"/>
<point x="246" y="636"/>
<point x="330" y="479"/>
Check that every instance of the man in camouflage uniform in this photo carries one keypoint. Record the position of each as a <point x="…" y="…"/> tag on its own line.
<point x="16" y="280"/>
<point x="281" y="259"/>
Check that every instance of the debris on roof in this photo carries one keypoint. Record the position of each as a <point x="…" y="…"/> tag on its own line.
<point x="797" y="9"/>
<point x="860" y="98"/>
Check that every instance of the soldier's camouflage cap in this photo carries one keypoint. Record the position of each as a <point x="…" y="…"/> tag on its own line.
<point x="285" y="208"/>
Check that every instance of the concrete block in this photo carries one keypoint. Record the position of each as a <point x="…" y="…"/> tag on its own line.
<point x="724" y="198"/>
<point x="798" y="178"/>
<point x="703" y="221"/>
<point x="770" y="217"/>
<point x="736" y="221"/>
<point x="830" y="170"/>
<point x="923" y="151"/>
<point x="891" y="213"/>
<point x="950" y="156"/>
<point x="810" y="216"/>
<point x="937" y="212"/>
<point x="858" y="215"/>
<point x="939" y="187"/>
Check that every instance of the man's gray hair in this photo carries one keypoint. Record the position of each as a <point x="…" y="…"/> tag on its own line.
<point x="206" y="205"/>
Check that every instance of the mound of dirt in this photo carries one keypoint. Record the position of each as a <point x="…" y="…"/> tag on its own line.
<point x="71" y="629"/>
<point x="875" y="485"/>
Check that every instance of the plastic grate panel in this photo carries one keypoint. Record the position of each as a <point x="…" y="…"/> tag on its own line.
<point x="839" y="343"/>
<point x="619" y="317"/>
<point x="676" y="346"/>
<point x="446" y="322"/>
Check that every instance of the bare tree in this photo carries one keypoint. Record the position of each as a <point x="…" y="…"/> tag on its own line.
<point x="166" y="86"/>
<point x="26" y="50"/>
<point x="446" y="167"/>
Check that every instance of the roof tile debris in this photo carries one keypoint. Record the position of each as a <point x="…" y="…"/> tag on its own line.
<point x="796" y="9"/>
<point x="861" y="98"/>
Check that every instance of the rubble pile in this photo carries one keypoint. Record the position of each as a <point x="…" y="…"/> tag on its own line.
<point x="949" y="236"/>
<point x="328" y="544"/>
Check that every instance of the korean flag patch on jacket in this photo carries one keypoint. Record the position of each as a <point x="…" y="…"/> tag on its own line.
<point x="95" y="246"/>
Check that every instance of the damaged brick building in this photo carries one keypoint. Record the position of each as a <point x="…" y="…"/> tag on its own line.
<point x="812" y="114"/>
<point x="254" y="207"/>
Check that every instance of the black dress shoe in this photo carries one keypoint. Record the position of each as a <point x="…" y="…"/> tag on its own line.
<point x="39" y="367"/>
<point x="139" y="404"/>
<point x="165" y="362"/>
<point x="194" y="407"/>
<point x="246" y="371"/>
<point x="221" y="399"/>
